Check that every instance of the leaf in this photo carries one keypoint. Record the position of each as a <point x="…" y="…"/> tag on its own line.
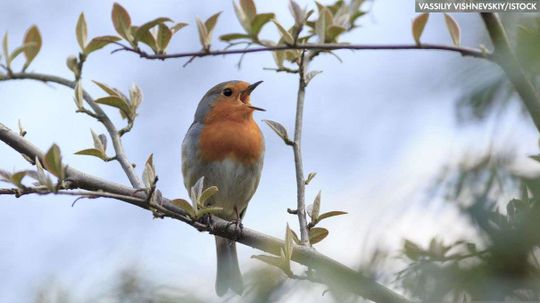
<point x="316" y="206"/>
<point x="178" y="26"/>
<point x="149" y="173"/>
<point x="41" y="176"/>
<point x="81" y="32"/>
<point x="99" y="43"/>
<point x="121" y="21"/>
<point x="248" y="7"/>
<point x="22" y="131"/>
<point x="279" y="130"/>
<point x="453" y="29"/>
<point x="149" y="39"/>
<point x="92" y="152"/>
<point x="289" y="243"/>
<point x="242" y="18"/>
<point x="5" y="176"/>
<point x="103" y="140"/>
<point x="298" y="13"/>
<point x="145" y="28"/>
<point x="331" y="214"/>
<point x="109" y="90"/>
<point x="19" y="50"/>
<point x="230" y="37"/>
<point x="16" y="178"/>
<point x="310" y="177"/>
<point x="196" y="191"/>
<point x="206" y="194"/>
<point x="32" y="37"/>
<point x="259" y="21"/>
<point x="321" y="25"/>
<point x="285" y="35"/>
<point x="98" y="144"/>
<point x="311" y="75"/>
<point x="72" y="64"/>
<point x="135" y="96"/>
<point x="418" y="25"/>
<point x="5" y="48"/>
<point x="203" y="33"/>
<point x="317" y="234"/>
<point x="274" y="261"/>
<point x="79" y="95"/>
<point x="333" y="32"/>
<point x="116" y="102"/>
<point x="209" y="210"/>
<point x="412" y="250"/>
<point x="53" y="161"/>
<point x="279" y="58"/>
<point x="185" y="206"/>
<point x="210" y="23"/>
<point x="164" y="35"/>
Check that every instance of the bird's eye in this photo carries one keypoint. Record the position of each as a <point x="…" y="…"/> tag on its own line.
<point x="227" y="92"/>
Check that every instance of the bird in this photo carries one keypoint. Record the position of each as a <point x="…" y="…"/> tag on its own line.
<point x="225" y="145"/>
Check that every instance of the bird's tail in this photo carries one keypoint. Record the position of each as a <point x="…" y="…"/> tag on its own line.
<point x="228" y="270"/>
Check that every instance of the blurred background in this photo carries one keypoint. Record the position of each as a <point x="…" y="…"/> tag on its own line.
<point x="401" y="140"/>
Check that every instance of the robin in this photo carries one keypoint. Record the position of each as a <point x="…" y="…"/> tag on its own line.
<point x="226" y="147"/>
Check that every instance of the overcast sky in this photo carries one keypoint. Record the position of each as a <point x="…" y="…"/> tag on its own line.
<point x="377" y="127"/>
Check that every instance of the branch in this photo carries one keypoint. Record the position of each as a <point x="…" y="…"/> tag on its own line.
<point x="101" y="116"/>
<point x="506" y="58"/>
<point x="464" y="51"/>
<point x="333" y="273"/>
<point x="297" y="149"/>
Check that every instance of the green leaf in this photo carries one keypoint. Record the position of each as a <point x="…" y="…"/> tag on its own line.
<point x="412" y="250"/>
<point x="274" y="261"/>
<point x="230" y="37"/>
<point x="164" y="35"/>
<point x="321" y="25"/>
<point x="42" y="177"/>
<point x="279" y="58"/>
<point x="16" y="178"/>
<point x="81" y="32"/>
<point x="418" y="25"/>
<point x="311" y="75"/>
<point x="331" y="214"/>
<point x="453" y="29"/>
<point x="249" y="9"/>
<point x="313" y="209"/>
<point x="289" y="243"/>
<point x="178" y="26"/>
<point x="333" y="32"/>
<point x="99" y="43"/>
<point x="107" y="89"/>
<point x="135" y="96"/>
<point x="535" y="157"/>
<point x="285" y="35"/>
<point x="32" y="37"/>
<point x="185" y="206"/>
<point x="259" y="21"/>
<point x="5" y="49"/>
<point x="317" y="234"/>
<point x="196" y="192"/>
<point x="92" y="152"/>
<point x="116" y="102"/>
<point x="310" y="178"/>
<point x="209" y="210"/>
<point x="206" y="194"/>
<point x="242" y="18"/>
<point x="279" y="129"/>
<point x="210" y="23"/>
<point x="19" y="50"/>
<point x="149" y="39"/>
<point x="203" y="34"/>
<point x="53" y="162"/>
<point x="98" y="143"/>
<point x="79" y="99"/>
<point x="298" y="13"/>
<point x="121" y="22"/>
<point x="72" y="64"/>
<point x="145" y="28"/>
<point x="149" y="173"/>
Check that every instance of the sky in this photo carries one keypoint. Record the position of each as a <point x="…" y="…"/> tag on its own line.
<point x="377" y="128"/>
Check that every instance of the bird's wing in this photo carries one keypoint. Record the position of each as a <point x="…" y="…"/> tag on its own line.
<point x="191" y="169"/>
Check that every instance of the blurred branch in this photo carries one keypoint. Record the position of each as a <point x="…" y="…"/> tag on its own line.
<point x="101" y="116"/>
<point x="464" y="51"/>
<point x="42" y="190"/>
<point x="331" y="272"/>
<point x="297" y="149"/>
<point x="506" y="58"/>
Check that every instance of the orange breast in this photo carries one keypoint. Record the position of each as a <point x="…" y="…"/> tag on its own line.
<point x="231" y="132"/>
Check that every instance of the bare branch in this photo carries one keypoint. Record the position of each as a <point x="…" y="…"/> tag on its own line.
<point x="101" y="116"/>
<point x="331" y="272"/>
<point x="464" y="51"/>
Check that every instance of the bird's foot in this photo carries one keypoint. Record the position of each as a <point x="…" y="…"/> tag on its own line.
<point x="207" y="221"/>
<point x="238" y="227"/>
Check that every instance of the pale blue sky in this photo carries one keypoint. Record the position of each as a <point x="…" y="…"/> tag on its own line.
<point x="377" y="126"/>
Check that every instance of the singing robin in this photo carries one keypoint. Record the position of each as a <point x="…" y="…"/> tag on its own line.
<point x="226" y="147"/>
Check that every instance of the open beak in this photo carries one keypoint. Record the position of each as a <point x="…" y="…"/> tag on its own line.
<point x="245" y="93"/>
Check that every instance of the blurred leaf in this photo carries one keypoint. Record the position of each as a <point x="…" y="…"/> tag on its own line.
<point x="279" y="58"/>
<point x="17" y="177"/>
<point x="206" y="194"/>
<point x="81" y="32"/>
<point x="285" y="35"/>
<point x="230" y="37"/>
<point x="149" y="173"/>
<point x="317" y="234"/>
<point x="203" y="33"/>
<point x="418" y="25"/>
<point x="98" y="43"/>
<point x="279" y="130"/>
<point x="274" y="261"/>
<point x="331" y="214"/>
<point x="311" y="75"/>
<point x="92" y="152"/>
<point x="164" y="35"/>
<point x="333" y="32"/>
<point x="298" y="13"/>
<point x="210" y="23"/>
<point x="259" y="21"/>
<point x="242" y="18"/>
<point x="42" y="177"/>
<point x="310" y="177"/>
<point x="73" y="65"/>
<point x="209" y="210"/>
<point x="5" y="49"/>
<point x="79" y="99"/>
<point x="98" y="144"/>
<point x="289" y="243"/>
<point x="116" y="102"/>
<point x="121" y="21"/>
<point x="412" y="250"/>
<point x="103" y="139"/>
<point x="185" y="206"/>
<point x="145" y="28"/>
<point x="249" y="9"/>
<point x="196" y="192"/>
<point x="32" y="37"/>
<point x="109" y="90"/>
<point x="453" y="29"/>
<point x="22" y="131"/>
<point x="178" y="26"/>
<point x="315" y="208"/>
<point x="19" y="50"/>
<point x="53" y="162"/>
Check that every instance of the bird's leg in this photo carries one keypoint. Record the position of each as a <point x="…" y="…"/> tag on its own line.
<point x="207" y="220"/>
<point x="237" y="222"/>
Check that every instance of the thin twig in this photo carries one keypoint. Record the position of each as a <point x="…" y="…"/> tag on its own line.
<point x="297" y="149"/>
<point x="102" y="117"/>
<point x="18" y="192"/>
<point x="472" y="52"/>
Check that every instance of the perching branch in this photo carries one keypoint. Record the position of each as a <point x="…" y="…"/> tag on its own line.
<point x="120" y="155"/>
<point x="336" y="275"/>
<point x="464" y="51"/>
<point x="297" y="149"/>
<point x="506" y="58"/>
